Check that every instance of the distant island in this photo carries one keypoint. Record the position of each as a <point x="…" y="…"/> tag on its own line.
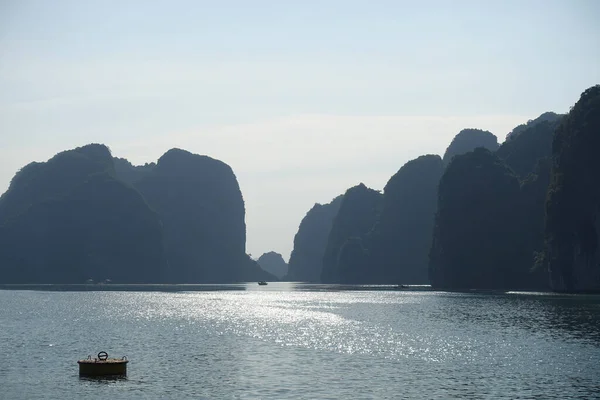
<point x="274" y="264"/>
<point x="521" y="215"/>
<point x="84" y="215"/>
<point x="517" y="216"/>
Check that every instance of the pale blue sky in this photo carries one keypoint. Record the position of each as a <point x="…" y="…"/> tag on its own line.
<point x="302" y="99"/>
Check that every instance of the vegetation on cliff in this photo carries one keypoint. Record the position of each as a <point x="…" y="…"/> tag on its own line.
<point x="523" y="151"/>
<point x="56" y="177"/>
<point x="130" y="173"/>
<point x="573" y="204"/>
<point x="545" y="117"/>
<point x="501" y="232"/>
<point x="468" y="140"/>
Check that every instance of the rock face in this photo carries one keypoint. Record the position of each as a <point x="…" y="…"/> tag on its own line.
<point x="405" y="228"/>
<point x="468" y="140"/>
<point x="306" y="260"/>
<point x="273" y="263"/>
<point x="202" y="210"/>
<point x="490" y="219"/>
<point x="57" y="176"/>
<point x="531" y="225"/>
<point x="345" y="259"/>
<point x="545" y="117"/>
<point x="476" y="240"/>
<point x="532" y="143"/>
<point x="573" y="204"/>
<point x="72" y="219"/>
<point x="69" y="219"/>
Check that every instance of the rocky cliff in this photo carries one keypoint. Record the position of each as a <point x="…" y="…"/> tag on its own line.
<point x="573" y="203"/>
<point x="548" y="116"/>
<point x="69" y="219"/>
<point x="306" y="260"/>
<point x="202" y="210"/>
<point x="345" y="259"/>
<point x="532" y="143"/>
<point x="468" y="140"/>
<point x="405" y="226"/>
<point x="476" y="240"/>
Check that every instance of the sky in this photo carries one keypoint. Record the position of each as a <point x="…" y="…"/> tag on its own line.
<point x="302" y="99"/>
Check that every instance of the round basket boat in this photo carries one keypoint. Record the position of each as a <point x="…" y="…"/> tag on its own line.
<point x="103" y="366"/>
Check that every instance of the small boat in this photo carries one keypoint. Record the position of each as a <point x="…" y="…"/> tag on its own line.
<point x="262" y="283"/>
<point x="401" y="286"/>
<point x="103" y="366"/>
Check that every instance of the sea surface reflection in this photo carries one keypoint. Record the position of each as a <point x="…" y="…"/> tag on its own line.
<point x="301" y="341"/>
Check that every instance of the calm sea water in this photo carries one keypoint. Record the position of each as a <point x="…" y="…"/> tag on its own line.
<point x="286" y="341"/>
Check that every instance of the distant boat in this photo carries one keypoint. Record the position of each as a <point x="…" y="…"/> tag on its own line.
<point x="262" y="283"/>
<point x="401" y="286"/>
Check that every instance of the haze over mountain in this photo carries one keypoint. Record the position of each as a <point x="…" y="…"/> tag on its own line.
<point x="273" y="263"/>
<point x="302" y="99"/>
<point x="70" y="219"/>
<point x="485" y="217"/>
<point x="520" y="216"/>
<point x="77" y="217"/>
<point x="306" y="260"/>
<point x="402" y="236"/>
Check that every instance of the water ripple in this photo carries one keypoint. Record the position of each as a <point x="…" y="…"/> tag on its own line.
<point x="303" y="344"/>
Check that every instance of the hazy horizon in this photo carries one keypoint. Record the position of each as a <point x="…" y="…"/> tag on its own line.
<point x="303" y="101"/>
